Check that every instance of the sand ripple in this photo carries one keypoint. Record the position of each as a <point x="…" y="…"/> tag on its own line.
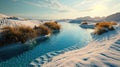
<point x="98" y="53"/>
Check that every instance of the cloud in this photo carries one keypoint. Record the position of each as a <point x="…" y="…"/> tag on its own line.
<point x="105" y="7"/>
<point x="98" y="8"/>
<point x="51" y="4"/>
<point x="78" y="8"/>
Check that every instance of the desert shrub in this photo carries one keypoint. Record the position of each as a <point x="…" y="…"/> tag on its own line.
<point x="52" y="25"/>
<point x="114" y="23"/>
<point x="84" y="23"/>
<point x="42" y="30"/>
<point x="23" y="33"/>
<point x="102" y="27"/>
<point x="99" y="30"/>
<point x="17" y="34"/>
<point x="105" y="24"/>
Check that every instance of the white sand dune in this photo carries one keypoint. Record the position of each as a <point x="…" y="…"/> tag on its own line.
<point x="10" y="22"/>
<point x="4" y="21"/>
<point x="104" y="51"/>
<point x="3" y="16"/>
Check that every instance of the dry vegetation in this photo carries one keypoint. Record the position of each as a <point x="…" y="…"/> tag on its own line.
<point x="24" y="33"/>
<point x="17" y="34"/>
<point x="102" y="27"/>
<point x="84" y="23"/>
<point x="42" y="30"/>
<point x="52" y="25"/>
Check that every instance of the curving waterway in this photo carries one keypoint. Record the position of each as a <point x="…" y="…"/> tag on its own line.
<point x="70" y="37"/>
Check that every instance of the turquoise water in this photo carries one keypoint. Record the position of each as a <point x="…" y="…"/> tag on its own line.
<point x="70" y="35"/>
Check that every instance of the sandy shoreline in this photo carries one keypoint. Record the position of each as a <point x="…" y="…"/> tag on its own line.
<point x="102" y="52"/>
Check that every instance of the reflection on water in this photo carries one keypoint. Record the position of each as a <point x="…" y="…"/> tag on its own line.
<point x="70" y="35"/>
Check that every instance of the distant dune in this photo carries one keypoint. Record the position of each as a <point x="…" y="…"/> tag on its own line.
<point x="16" y="21"/>
<point x="113" y="17"/>
<point x="3" y="16"/>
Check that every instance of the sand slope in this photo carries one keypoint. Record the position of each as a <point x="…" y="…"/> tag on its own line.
<point x="104" y="51"/>
<point x="13" y="23"/>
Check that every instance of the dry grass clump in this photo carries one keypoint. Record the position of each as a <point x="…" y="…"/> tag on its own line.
<point x="113" y="23"/>
<point x="100" y="30"/>
<point x="105" y="24"/>
<point x="17" y="34"/>
<point x="52" y="25"/>
<point x="23" y="33"/>
<point x="102" y="27"/>
<point x="84" y="23"/>
<point x="42" y="30"/>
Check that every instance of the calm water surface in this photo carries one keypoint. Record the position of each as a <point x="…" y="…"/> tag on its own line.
<point x="69" y="36"/>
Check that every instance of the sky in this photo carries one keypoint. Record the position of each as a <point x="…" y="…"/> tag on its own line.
<point x="59" y="9"/>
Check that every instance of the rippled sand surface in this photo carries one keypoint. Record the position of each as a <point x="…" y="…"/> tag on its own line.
<point x="104" y="51"/>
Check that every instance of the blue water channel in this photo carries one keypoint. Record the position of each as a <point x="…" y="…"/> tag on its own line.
<point x="69" y="35"/>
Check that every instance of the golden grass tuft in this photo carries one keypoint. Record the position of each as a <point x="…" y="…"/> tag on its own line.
<point x="102" y="27"/>
<point x="52" y="25"/>
<point x="84" y="23"/>
<point x="17" y="34"/>
<point x="42" y="30"/>
<point x="105" y="24"/>
<point x="23" y="33"/>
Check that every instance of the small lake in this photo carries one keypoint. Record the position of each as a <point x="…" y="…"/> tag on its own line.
<point x="70" y="37"/>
